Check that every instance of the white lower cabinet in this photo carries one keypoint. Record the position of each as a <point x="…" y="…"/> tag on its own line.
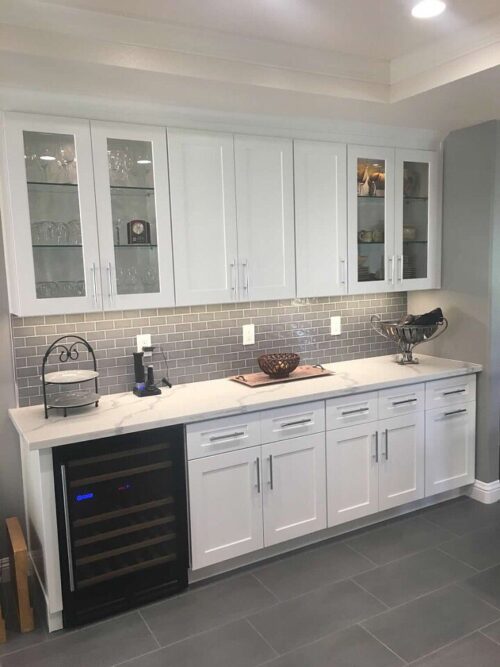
<point x="450" y="446"/>
<point x="294" y="488"/>
<point x="225" y="506"/>
<point x="373" y="467"/>
<point x="401" y="460"/>
<point x="352" y="473"/>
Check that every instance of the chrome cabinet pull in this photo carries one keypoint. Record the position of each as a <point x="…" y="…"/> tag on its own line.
<point x="376" y="446"/>
<point x="94" y="283"/>
<point x="67" y="529"/>
<point x="455" y="391"/>
<point x="386" y="444"/>
<point x="246" y="278"/>
<point x="355" y="412"/>
<point x="228" y="436"/>
<point x="408" y="400"/>
<point x="390" y="271"/>
<point x="110" y="281"/>
<point x="232" y="267"/>
<point x="271" y="475"/>
<point x="257" y="462"/>
<point x="455" y="412"/>
<point x="342" y="268"/>
<point x="299" y="422"/>
<point x="400" y="264"/>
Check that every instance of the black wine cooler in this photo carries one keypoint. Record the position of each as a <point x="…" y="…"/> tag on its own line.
<point x="122" y="523"/>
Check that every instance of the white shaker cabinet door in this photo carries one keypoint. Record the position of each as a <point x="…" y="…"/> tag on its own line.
<point x="401" y="460"/>
<point x="202" y="195"/>
<point x="352" y="473"/>
<point x="131" y="182"/>
<point x="320" y="218"/>
<point x="294" y="483"/>
<point x="450" y="447"/>
<point x="225" y="506"/>
<point x="49" y="216"/>
<point x="266" y="233"/>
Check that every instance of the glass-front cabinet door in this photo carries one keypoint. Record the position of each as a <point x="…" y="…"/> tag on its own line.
<point x="50" y="226"/>
<point x="133" y="211"/>
<point x="417" y="228"/>
<point x="371" y="219"/>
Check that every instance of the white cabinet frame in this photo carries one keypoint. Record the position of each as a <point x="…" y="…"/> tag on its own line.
<point x="101" y="132"/>
<point x="16" y="223"/>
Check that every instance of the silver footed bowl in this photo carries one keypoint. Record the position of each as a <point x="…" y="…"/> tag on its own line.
<point x="408" y="336"/>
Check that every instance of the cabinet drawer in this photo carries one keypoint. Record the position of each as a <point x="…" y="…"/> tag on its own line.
<point x="222" y="435"/>
<point x="401" y="401"/>
<point x="289" y="422"/>
<point x="351" y="410"/>
<point x="441" y="393"/>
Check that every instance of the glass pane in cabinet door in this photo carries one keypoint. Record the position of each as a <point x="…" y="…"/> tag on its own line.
<point x="133" y="210"/>
<point x="371" y="220"/>
<point x="56" y="234"/>
<point x="415" y="219"/>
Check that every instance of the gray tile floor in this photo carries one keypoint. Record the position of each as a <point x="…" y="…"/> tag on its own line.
<point x="421" y="590"/>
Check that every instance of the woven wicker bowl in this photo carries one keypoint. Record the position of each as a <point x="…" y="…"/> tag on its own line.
<point x="278" y="365"/>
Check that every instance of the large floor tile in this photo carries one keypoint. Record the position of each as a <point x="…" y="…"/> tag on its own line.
<point x="398" y="538"/>
<point x="17" y="640"/>
<point x="99" y="645"/>
<point x="307" y="570"/>
<point x="493" y="631"/>
<point x="486" y="585"/>
<point x="432" y="621"/>
<point x="234" y="645"/>
<point x="408" y="578"/>
<point x="481" y="549"/>
<point x="296" y="622"/>
<point x="207" y="608"/>
<point x="463" y="515"/>
<point x="474" y="650"/>
<point x="353" y="647"/>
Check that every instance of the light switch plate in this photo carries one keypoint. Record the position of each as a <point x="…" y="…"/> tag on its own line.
<point x="248" y="334"/>
<point x="335" y="326"/>
<point x="144" y="340"/>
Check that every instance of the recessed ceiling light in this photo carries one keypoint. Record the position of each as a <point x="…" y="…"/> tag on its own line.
<point x="427" y="9"/>
<point x="143" y="161"/>
<point x="49" y="158"/>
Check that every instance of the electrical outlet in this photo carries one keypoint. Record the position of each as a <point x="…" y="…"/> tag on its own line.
<point x="335" y="326"/>
<point x="248" y="334"/>
<point x="144" y="340"/>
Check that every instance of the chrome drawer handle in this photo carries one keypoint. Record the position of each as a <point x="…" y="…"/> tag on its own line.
<point x="408" y="400"/>
<point x="67" y="529"/>
<point x="455" y="412"/>
<point x="228" y="436"/>
<point x="271" y="474"/>
<point x="456" y="391"/>
<point x="376" y="446"/>
<point x="355" y="412"/>
<point x="257" y="462"/>
<point x="299" y="422"/>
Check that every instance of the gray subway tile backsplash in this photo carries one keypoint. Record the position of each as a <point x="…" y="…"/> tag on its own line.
<point x="205" y="342"/>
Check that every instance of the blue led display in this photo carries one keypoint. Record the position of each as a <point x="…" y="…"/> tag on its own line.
<point x="84" y="496"/>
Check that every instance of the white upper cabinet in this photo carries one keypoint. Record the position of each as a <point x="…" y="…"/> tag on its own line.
<point x="418" y="220"/>
<point x="133" y="211"/>
<point x="202" y="191"/>
<point x="50" y="229"/>
<point x="320" y="218"/>
<point x="264" y="202"/>
<point x="370" y="183"/>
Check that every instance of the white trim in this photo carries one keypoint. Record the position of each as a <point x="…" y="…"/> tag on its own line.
<point x="485" y="492"/>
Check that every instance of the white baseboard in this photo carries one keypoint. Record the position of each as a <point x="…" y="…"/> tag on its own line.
<point x="485" y="492"/>
<point x="4" y="570"/>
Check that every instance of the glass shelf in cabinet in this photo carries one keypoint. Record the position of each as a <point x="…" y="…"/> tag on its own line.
<point x="146" y="188"/>
<point x="50" y="184"/>
<point x="56" y="245"/>
<point x="372" y="197"/>
<point x="136" y="245"/>
<point x="411" y="198"/>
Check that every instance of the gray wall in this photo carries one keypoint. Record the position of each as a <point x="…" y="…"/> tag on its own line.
<point x="470" y="295"/>
<point x="11" y="502"/>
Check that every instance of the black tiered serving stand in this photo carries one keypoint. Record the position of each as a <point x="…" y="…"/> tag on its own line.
<point x="68" y="351"/>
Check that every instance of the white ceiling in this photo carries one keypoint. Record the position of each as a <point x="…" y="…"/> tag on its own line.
<point x="377" y="28"/>
<point x="353" y="60"/>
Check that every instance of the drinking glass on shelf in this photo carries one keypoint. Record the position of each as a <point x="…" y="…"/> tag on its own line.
<point x="74" y="232"/>
<point x="37" y="234"/>
<point x="61" y="233"/>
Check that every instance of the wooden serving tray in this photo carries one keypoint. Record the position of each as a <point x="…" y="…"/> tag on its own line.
<point x="300" y="373"/>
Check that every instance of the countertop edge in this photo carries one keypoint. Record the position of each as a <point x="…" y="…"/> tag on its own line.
<point x="34" y="444"/>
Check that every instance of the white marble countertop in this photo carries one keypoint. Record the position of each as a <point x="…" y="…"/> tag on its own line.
<point x="126" y="413"/>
